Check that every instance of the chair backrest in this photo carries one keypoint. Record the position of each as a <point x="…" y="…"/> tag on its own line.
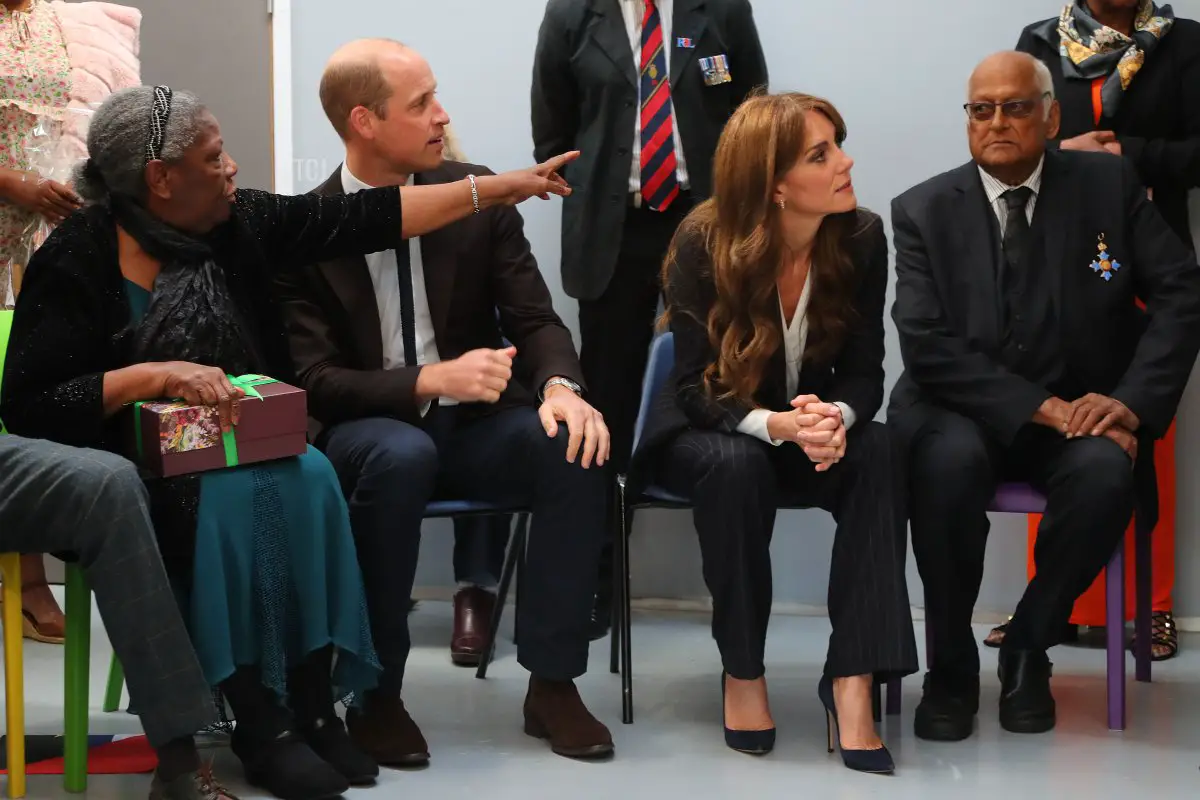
<point x="662" y="359"/>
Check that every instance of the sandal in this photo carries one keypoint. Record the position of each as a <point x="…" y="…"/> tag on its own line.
<point x="995" y="637"/>
<point x="1164" y="637"/>
<point x="51" y="629"/>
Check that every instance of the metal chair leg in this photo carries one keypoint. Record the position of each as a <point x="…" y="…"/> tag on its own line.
<point x="614" y="641"/>
<point x="1114" y="602"/>
<point x="516" y="549"/>
<point x="1143" y="565"/>
<point x="893" y="697"/>
<point x="624" y="599"/>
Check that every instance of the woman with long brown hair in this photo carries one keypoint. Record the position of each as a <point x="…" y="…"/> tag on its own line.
<point x="775" y="290"/>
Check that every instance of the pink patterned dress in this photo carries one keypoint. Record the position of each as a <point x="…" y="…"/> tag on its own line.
<point x="35" y="85"/>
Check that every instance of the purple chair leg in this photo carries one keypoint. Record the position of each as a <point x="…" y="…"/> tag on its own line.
<point x="1115" y="631"/>
<point x="1143" y="570"/>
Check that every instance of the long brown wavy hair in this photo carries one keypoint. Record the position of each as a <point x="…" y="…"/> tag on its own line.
<point x="740" y="228"/>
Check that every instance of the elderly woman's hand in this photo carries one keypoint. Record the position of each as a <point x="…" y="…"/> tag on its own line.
<point x="200" y="385"/>
<point x="511" y="188"/>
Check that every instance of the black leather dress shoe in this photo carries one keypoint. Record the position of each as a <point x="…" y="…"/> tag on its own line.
<point x="948" y="707"/>
<point x="1026" y="705"/>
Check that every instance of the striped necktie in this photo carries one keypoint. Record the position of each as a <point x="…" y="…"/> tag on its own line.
<point x="659" y="185"/>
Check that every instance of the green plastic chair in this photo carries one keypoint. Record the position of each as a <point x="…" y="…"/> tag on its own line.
<point x="77" y="656"/>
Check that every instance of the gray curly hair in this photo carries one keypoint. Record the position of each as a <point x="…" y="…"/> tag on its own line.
<point x="117" y="139"/>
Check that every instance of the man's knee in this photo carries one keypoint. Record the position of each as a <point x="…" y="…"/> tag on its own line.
<point x="111" y="480"/>
<point x="948" y="450"/>
<point x="1100" y="468"/>
<point x="383" y="447"/>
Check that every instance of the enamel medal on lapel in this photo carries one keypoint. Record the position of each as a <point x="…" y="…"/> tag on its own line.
<point x="1104" y="265"/>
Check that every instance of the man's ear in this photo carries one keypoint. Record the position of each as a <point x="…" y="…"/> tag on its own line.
<point x="1054" y="121"/>
<point x="362" y="122"/>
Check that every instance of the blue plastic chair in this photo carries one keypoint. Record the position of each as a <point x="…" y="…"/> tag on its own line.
<point x="453" y="509"/>
<point x="662" y="359"/>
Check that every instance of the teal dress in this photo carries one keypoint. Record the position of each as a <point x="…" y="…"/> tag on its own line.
<point x="276" y="574"/>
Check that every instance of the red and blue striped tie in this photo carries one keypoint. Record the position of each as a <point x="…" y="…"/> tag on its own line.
<point x="659" y="185"/>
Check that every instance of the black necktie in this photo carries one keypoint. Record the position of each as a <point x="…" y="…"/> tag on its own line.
<point x="408" y="328"/>
<point x="1016" y="230"/>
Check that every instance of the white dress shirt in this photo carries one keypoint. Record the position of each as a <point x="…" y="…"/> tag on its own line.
<point x="795" y="337"/>
<point x="632" y="11"/>
<point x="994" y="188"/>
<point x="383" y="266"/>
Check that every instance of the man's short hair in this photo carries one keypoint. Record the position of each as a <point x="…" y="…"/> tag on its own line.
<point x="353" y="83"/>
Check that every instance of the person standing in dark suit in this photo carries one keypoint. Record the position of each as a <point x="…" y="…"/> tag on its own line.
<point x="411" y="385"/>
<point x="775" y="290"/>
<point x="643" y="89"/>
<point x="1127" y="77"/>
<point x="1027" y="357"/>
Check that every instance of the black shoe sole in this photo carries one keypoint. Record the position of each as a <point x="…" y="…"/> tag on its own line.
<point x="406" y="762"/>
<point x="1039" y="723"/>
<point x="943" y="730"/>
<point x="331" y="794"/>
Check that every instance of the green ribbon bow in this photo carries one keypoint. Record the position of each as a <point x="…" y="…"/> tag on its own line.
<point x="228" y="438"/>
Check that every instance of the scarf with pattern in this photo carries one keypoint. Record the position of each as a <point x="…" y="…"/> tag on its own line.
<point x="1091" y="50"/>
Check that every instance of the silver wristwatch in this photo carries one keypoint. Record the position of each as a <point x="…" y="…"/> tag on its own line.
<point x="567" y="382"/>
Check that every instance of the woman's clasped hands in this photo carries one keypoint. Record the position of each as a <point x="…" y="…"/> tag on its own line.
<point x="816" y="426"/>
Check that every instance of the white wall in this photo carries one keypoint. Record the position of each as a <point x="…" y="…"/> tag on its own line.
<point x="897" y="72"/>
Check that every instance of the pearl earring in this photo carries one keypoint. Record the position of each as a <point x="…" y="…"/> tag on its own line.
<point x="782" y="204"/>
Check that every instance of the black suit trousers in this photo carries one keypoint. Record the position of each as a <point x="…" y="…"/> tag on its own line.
<point x="954" y="468"/>
<point x="736" y="483"/>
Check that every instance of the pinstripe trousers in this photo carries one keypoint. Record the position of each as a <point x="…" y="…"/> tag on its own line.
<point x="56" y="499"/>
<point x="737" y="482"/>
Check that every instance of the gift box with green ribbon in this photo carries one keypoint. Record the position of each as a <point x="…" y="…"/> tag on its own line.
<point x="172" y="437"/>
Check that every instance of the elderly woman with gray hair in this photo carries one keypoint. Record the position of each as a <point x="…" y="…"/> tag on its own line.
<point x="160" y="287"/>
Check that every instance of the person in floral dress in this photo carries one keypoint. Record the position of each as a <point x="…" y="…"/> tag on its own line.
<point x="35" y="84"/>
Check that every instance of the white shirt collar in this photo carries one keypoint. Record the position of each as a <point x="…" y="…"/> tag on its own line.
<point x="351" y="184"/>
<point x="994" y="187"/>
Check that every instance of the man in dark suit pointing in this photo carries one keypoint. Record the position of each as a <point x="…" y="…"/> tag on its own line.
<point x="1027" y="358"/>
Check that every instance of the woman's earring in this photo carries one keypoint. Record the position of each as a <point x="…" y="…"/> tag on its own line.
<point x="782" y="203"/>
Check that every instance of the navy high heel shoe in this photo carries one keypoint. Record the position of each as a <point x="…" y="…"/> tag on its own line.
<point x="755" y="743"/>
<point x="874" y="761"/>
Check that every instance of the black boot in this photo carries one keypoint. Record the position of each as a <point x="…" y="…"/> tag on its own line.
<point x="310" y="690"/>
<point x="1026" y="705"/>
<point x="948" y="707"/>
<point x="275" y="757"/>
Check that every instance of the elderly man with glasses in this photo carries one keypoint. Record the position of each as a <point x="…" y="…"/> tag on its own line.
<point x="1027" y="358"/>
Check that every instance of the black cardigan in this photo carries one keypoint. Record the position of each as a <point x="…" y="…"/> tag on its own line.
<point x="1157" y="122"/>
<point x="73" y="308"/>
<point x="854" y="376"/>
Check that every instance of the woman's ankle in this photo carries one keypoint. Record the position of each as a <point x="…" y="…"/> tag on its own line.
<point x="747" y="705"/>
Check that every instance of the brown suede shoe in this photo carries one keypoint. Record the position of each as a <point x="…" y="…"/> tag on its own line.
<point x="472" y="616"/>
<point x="384" y="731"/>
<point x="554" y="711"/>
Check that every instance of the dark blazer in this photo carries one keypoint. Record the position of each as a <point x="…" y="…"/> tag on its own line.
<point x="854" y="376"/>
<point x="947" y="309"/>
<point x="473" y="268"/>
<point x="585" y="97"/>
<point x="1157" y="122"/>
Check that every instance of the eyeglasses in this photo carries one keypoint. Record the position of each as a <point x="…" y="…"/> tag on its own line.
<point x="1013" y="109"/>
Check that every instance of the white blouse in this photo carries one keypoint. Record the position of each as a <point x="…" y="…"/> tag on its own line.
<point x="795" y="336"/>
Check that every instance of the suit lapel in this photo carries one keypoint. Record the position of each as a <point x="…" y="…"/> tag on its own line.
<point x="974" y="234"/>
<point x="688" y="20"/>
<point x="351" y="282"/>
<point x="607" y="28"/>
<point x="1056" y="214"/>
<point x="438" y="261"/>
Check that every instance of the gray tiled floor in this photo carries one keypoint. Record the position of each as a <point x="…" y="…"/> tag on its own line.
<point x="675" y="748"/>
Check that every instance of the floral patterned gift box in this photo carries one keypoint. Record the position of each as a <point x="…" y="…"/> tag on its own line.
<point x="171" y="437"/>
